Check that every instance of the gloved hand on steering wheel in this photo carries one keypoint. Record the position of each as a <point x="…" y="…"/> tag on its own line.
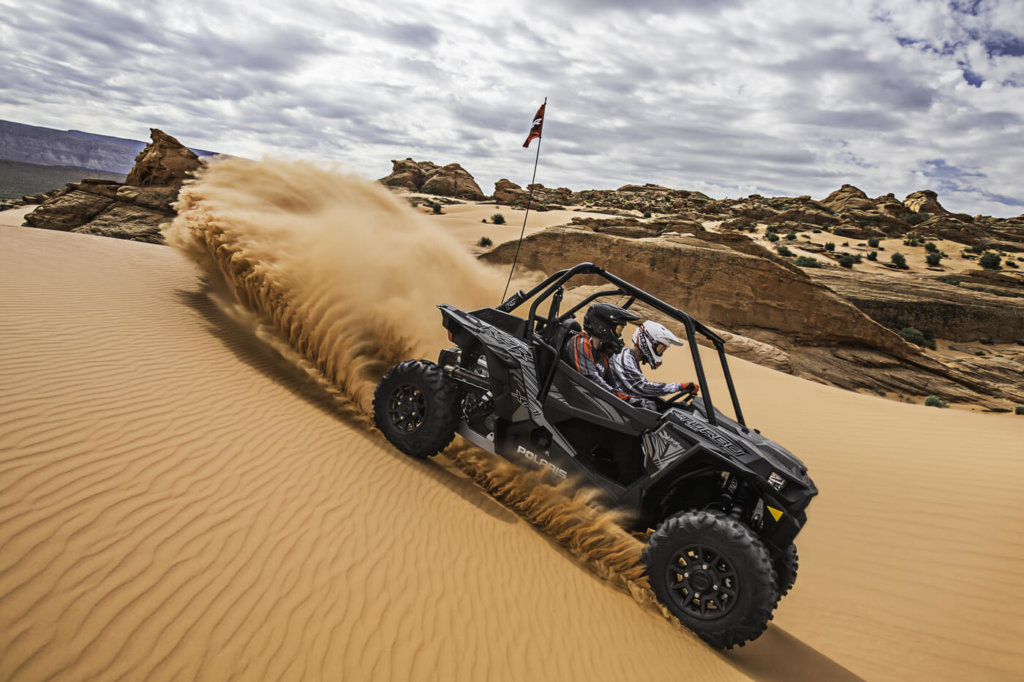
<point x="691" y="388"/>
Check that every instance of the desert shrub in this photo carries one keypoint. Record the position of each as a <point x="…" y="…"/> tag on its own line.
<point x="485" y="241"/>
<point x="846" y="243"/>
<point x="990" y="261"/>
<point x="791" y="236"/>
<point x="899" y="260"/>
<point x="873" y="242"/>
<point x="498" y="219"/>
<point x="807" y="262"/>
<point x="930" y="247"/>
<point x="1011" y="264"/>
<point x="933" y="258"/>
<point x="987" y="342"/>
<point x="817" y="230"/>
<point x="917" y="337"/>
<point x="873" y="255"/>
<point x="772" y="237"/>
<point x="435" y="207"/>
<point x="1020" y="258"/>
<point x="934" y="401"/>
<point x="830" y="246"/>
<point x="847" y="261"/>
<point x="979" y="248"/>
<point x="1019" y="409"/>
<point x="783" y="250"/>
<point x="916" y="218"/>
<point x="912" y="241"/>
<point x="950" y="280"/>
<point x="541" y="208"/>
<point x="647" y="214"/>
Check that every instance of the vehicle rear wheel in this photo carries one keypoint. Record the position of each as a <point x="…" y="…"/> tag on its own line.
<point x="714" y="574"/>
<point x="416" y="407"/>
<point x="785" y="569"/>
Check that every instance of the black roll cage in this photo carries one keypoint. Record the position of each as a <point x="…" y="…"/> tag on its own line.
<point x="553" y="286"/>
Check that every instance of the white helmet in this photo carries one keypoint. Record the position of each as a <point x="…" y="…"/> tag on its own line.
<point x="652" y="340"/>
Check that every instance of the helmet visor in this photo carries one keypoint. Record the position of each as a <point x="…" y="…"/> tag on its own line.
<point x="618" y="329"/>
<point x="660" y="348"/>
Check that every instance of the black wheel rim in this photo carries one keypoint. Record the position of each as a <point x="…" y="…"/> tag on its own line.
<point x="702" y="582"/>
<point x="407" y="408"/>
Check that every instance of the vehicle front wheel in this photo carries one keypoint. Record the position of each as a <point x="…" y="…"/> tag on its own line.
<point x="416" y="407"/>
<point x="714" y="574"/>
<point x="785" y="569"/>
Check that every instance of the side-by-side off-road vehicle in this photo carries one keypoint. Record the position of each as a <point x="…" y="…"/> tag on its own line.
<point x="724" y="502"/>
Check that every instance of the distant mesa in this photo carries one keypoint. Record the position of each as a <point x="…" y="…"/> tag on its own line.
<point x="425" y="176"/>
<point x="136" y="209"/>
<point x="70" y="148"/>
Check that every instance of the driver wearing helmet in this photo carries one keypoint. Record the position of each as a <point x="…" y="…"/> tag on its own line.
<point x="590" y="351"/>
<point x="650" y="341"/>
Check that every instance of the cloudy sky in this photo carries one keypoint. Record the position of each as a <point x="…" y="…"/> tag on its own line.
<point x="732" y="97"/>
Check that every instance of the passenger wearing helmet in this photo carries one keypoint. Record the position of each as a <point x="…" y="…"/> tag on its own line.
<point x="650" y="341"/>
<point x="590" y="351"/>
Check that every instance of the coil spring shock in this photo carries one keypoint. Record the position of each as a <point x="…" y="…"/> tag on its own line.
<point x="740" y="501"/>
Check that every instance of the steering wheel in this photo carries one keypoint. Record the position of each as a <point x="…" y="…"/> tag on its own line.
<point x="685" y="396"/>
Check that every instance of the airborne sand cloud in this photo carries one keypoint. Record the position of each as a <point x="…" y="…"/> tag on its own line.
<point x="748" y="97"/>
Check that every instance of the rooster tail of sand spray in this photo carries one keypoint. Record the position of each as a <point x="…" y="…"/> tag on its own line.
<point x="342" y="279"/>
<point x="341" y="271"/>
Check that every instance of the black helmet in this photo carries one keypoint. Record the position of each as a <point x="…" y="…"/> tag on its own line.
<point x="605" y="322"/>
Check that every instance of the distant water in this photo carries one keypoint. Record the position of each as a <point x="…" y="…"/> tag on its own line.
<point x="18" y="179"/>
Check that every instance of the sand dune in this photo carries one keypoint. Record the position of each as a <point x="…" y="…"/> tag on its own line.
<point x="179" y="501"/>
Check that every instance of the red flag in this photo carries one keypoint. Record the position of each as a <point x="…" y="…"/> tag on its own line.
<point x="538" y="125"/>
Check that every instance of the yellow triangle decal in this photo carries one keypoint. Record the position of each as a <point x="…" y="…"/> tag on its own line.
<point x="776" y="513"/>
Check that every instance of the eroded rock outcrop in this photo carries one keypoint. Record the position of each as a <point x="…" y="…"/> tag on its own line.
<point x="925" y="201"/>
<point x="949" y="312"/>
<point x="848" y="198"/>
<point x="509" y="193"/>
<point x="427" y="177"/>
<point x="733" y="290"/>
<point x="164" y="162"/>
<point x="135" y="210"/>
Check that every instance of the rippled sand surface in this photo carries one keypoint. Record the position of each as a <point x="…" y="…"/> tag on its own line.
<point x="180" y="501"/>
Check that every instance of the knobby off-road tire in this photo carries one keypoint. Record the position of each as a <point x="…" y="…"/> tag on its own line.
<point x="416" y="407"/>
<point x="713" y="574"/>
<point x="785" y="570"/>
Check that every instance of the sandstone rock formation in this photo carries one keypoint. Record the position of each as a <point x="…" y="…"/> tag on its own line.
<point x="736" y="291"/>
<point x="950" y="312"/>
<point x="135" y="210"/>
<point x="848" y="198"/>
<point x="164" y="162"/>
<point x="847" y="212"/>
<point x="509" y="193"/>
<point x="427" y="177"/>
<point x="925" y="201"/>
